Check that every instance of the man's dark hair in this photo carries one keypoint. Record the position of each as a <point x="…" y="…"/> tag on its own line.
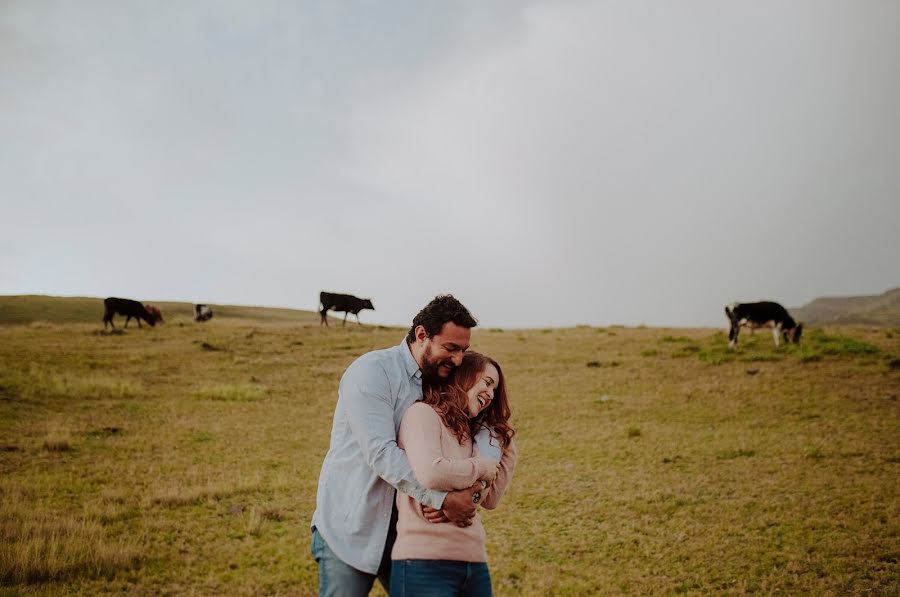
<point x="440" y="310"/>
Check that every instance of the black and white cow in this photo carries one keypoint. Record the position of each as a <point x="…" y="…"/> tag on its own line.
<point x="202" y="313"/>
<point x="342" y="302"/>
<point x="762" y="314"/>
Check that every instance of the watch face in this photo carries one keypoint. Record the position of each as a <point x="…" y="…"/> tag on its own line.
<point x="476" y="497"/>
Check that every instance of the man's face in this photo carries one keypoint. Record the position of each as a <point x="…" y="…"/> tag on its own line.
<point x="443" y="352"/>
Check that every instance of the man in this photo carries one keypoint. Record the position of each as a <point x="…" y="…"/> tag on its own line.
<point x="353" y="525"/>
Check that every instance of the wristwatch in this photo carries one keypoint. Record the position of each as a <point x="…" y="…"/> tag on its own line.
<point x="476" y="497"/>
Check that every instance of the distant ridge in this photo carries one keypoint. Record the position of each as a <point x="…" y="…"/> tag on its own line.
<point x="25" y="309"/>
<point x="880" y="310"/>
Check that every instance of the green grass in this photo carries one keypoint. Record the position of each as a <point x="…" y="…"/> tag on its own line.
<point x="816" y="346"/>
<point x="672" y="466"/>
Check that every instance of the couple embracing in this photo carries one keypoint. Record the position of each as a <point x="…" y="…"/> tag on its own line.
<point x="420" y="440"/>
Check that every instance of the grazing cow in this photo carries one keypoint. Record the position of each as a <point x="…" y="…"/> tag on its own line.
<point x="762" y="314"/>
<point x="342" y="302"/>
<point x="129" y="309"/>
<point x="202" y="313"/>
<point x="155" y="312"/>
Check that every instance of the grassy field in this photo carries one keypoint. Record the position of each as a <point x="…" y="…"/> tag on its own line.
<point x="26" y="309"/>
<point x="184" y="459"/>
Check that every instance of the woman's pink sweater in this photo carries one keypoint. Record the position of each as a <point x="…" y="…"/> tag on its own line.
<point x="439" y="461"/>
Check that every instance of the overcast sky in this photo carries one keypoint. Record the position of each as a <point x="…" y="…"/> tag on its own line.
<point x="549" y="163"/>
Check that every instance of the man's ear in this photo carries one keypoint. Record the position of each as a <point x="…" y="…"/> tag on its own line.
<point x="421" y="334"/>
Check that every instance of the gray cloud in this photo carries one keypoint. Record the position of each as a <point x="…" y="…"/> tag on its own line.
<point x="550" y="163"/>
<point x="663" y="161"/>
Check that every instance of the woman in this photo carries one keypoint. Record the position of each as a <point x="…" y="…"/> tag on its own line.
<point x="443" y="559"/>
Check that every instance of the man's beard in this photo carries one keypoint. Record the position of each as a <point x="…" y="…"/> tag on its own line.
<point x="431" y="369"/>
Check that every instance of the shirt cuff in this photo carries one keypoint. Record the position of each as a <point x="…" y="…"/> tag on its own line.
<point x="434" y="498"/>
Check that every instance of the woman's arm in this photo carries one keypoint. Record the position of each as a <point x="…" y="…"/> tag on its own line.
<point x="420" y="435"/>
<point x="504" y="476"/>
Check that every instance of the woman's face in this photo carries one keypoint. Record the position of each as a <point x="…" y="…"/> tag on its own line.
<point x="480" y="396"/>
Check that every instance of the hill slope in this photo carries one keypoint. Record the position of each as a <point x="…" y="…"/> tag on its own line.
<point x="25" y="309"/>
<point x="883" y="309"/>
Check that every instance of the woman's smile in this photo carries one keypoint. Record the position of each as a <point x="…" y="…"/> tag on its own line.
<point x="481" y="394"/>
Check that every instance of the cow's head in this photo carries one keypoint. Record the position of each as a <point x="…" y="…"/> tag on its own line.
<point x="154" y="315"/>
<point x="793" y="334"/>
<point x="367" y="304"/>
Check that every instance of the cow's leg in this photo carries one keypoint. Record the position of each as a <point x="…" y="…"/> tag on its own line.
<point x="345" y="317"/>
<point x="323" y="313"/>
<point x="127" y="319"/>
<point x="357" y="319"/>
<point x="733" y="334"/>
<point x="776" y="334"/>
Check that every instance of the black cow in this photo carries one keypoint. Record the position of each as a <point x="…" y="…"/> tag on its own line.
<point x="765" y="313"/>
<point x="202" y="313"/>
<point x="342" y="302"/>
<point x="129" y="309"/>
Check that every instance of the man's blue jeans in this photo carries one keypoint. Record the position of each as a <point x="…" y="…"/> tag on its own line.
<point x="338" y="579"/>
<point x="440" y="578"/>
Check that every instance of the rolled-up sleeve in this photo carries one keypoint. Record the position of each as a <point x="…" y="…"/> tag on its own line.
<point x="487" y="444"/>
<point x="366" y="398"/>
<point x="504" y="476"/>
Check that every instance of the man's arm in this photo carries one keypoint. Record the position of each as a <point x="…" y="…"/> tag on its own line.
<point x="504" y="476"/>
<point x="365" y="398"/>
<point x="488" y="445"/>
<point x="420" y="436"/>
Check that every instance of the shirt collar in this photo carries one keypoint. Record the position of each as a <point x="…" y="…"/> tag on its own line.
<point x="412" y="368"/>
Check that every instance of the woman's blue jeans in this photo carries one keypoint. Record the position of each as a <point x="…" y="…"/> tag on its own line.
<point x="439" y="578"/>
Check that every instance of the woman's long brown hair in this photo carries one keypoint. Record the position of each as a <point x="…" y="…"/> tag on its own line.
<point x="449" y="400"/>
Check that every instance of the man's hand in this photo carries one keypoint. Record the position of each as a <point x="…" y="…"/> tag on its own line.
<point x="459" y="507"/>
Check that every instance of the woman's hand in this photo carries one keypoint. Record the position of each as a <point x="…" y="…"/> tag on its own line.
<point x="491" y="467"/>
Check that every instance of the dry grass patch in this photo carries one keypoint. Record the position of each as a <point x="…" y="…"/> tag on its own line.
<point x="254" y="523"/>
<point x="55" y="443"/>
<point x="58" y="439"/>
<point x="36" y="549"/>
<point x="257" y="517"/>
<point x="175" y="496"/>
<point x="41" y="382"/>
<point x="233" y="392"/>
<point x="42" y="325"/>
